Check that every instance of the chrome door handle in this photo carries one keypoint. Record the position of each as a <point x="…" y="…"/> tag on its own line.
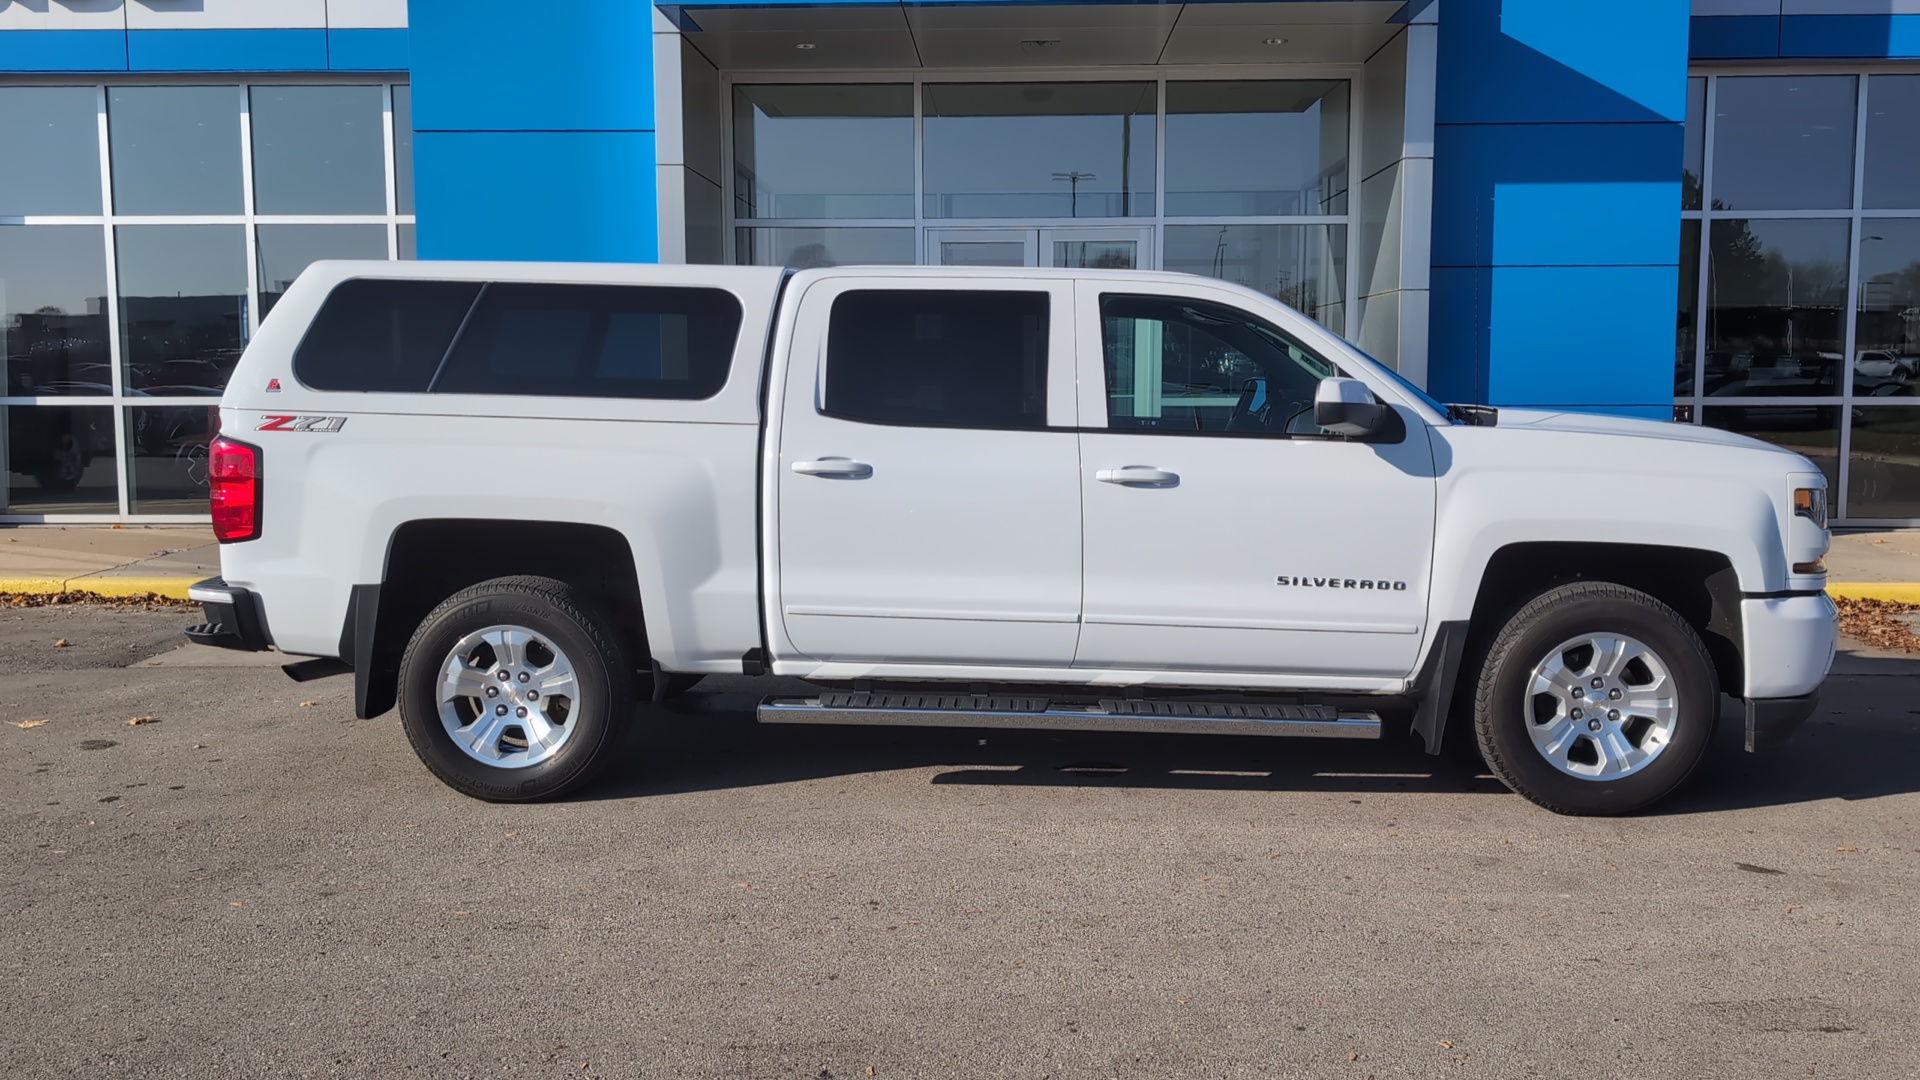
<point x="1138" y="476"/>
<point x="834" y="468"/>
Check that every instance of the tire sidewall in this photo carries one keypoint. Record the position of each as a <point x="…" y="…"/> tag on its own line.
<point x="594" y="713"/>
<point x="1511" y="669"/>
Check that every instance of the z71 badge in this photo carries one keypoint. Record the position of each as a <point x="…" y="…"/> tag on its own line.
<point x="301" y="423"/>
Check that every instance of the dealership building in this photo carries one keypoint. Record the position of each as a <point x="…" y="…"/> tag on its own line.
<point x="1703" y="212"/>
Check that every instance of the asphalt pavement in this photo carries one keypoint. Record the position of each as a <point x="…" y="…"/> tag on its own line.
<point x="252" y="883"/>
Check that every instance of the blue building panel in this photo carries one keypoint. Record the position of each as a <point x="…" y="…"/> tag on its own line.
<point x="1734" y="37"/>
<point x="367" y="49"/>
<point x="536" y="195"/>
<point x="1562" y="61"/>
<point x="1599" y="337"/>
<point x="496" y="65"/>
<point x="303" y="49"/>
<point x="63" y="50"/>
<point x="1457" y="320"/>
<point x="1555" y="194"/>
<point x="1865" y="37"/>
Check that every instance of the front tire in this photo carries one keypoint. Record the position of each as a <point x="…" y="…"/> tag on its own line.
<point x="514" y="690"/>
<point x="1595" y="699"/>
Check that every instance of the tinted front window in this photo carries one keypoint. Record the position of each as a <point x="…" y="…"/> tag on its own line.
<point x="1175" y="364"/>
<point x="596" y="341"/>
<point x="939" y="358"/>
<point x="374" y="334"/>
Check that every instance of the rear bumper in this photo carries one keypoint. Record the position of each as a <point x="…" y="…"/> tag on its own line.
<point x="1790" y="641"/>
<point x="1771" y="722"/>
<point x="233" y="617"/>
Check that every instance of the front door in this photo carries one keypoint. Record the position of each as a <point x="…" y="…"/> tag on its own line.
<point x="1225" y="531"/>
<point x="1076" y="247"/>
<point x="928" y="473"/>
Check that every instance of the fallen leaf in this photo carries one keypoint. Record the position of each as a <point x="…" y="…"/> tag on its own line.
<point x="1790" y="908"/>
<point x="1883" y="624"/>
<point x="136" y="721"/>
<point x="1446" y="1044"/>
<point x="1877" y="542"/>
<point x="1846" y="847"/>
<point x="869" y="1070"/>
<point x="1353" y="1055"/>
<point x="27" y="723"/>
<point x="308" y="704"/>
<point x="62" y="643"/>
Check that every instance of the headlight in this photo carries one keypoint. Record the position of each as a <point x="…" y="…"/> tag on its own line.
<point x="1811" y="503"/>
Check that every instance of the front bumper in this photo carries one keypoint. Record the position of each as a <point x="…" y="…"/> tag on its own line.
<point x="233" y="617"/>
<point x="1790" y="642"/>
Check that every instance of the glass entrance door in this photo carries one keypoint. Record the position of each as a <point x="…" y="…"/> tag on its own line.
<point x="1079" y="247"/>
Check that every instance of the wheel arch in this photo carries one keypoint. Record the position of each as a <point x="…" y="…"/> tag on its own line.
<point x="1701" y="585"/>
<point x="430" y="559"/>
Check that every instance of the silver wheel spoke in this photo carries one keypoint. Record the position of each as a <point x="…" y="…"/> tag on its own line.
<point x="510" y="693"/>
<point x="1604" y="726"/>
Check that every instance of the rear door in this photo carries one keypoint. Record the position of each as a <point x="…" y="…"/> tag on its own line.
<point x="928" y="473"/>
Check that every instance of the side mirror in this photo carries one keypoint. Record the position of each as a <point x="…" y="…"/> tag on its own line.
<point x="1347" y="407"/>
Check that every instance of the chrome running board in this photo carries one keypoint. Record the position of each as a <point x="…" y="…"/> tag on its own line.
<point x="1105" y="714"/>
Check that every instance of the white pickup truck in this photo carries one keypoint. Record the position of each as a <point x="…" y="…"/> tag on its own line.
<point x="524" y="501"/>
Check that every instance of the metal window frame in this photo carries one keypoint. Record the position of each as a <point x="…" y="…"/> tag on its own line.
<point x="1856" y="215"/>
<point x="108" y="220"/>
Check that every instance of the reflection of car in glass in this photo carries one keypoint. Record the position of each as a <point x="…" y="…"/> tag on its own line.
<point x="1881" y="363"/>
<point x="56" y="445"/>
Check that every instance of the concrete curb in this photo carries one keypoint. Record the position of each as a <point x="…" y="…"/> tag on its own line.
<point x="1905" y="592"/>
<point x="173" y="586"/>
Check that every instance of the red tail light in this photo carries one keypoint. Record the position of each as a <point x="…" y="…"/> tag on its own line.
<point x="233" y="474"/>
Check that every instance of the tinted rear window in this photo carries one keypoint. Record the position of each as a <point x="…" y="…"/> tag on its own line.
<point x="933" y="357"/>
<point x="382" y="334"/>
<point x="595" y="341"/>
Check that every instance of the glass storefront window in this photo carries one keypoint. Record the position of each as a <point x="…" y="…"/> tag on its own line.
<point x="1892" y="170"/>
<point x="1039" y="150"/>
<point x="318" y="150"/>
<point x="1812" y="431"/>
<point x="1693" y="171"/>
<point x="805" y="248"/>
<point x="403" y="148"/>
<point x="52" y="140"/>
<point x="60" y="459"/>
<point x="176" y="149"/>
<point x="285" y="250"/>
<point x="53" y="309"/>
<point x="167" y="456"/>
<point x="1687" y="317"/>
<point x="1883" y="463"/>
<point x="183" y="306"/>
<point x="1776" y="296"/>
<point x="404" y="241"/>
<point x="1304" y="266"/>
<point x="1783" y="142"/>
<point x="823" y="151"/>
<point x="1256" y="148"/>
<point x="1887" y="327"/>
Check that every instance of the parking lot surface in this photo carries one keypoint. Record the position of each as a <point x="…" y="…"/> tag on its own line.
<point x="253" y="883"/>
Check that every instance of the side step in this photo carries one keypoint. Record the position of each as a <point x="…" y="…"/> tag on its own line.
<point x="1104" y="714"/>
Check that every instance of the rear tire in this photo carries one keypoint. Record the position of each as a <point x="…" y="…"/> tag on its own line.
<point x="1595" y="699"/>
<point x="472" y="681"/>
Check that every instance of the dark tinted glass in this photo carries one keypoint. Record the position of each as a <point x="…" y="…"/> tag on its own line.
<point x="1696" y="141"/>
<point x="1256" y="148"/>
<point x="167" y="456"/>
<point x="285" y="250"/>
<point x="1893" y="142"/>
<point x="620" y="341"/>
<point x="1884" y="475"/>
<point x="1186" y="365"/>
<point x="183" y="306"/>
<point x="318" y="150"/>
<point x="1776" y="307"/>
<point x="1783" y="142"/>
<point x="52" y="140"/>
<point x="780" y="171"/>
<point x="403" y="149"/>
<point x="1886" y="354"/>
<point x="1685" y="336"/>
<point x="1810" y="430"/>
<point x="1039" y="149"/>
<point x="374" y="334"/>
<point x="960" y="359"/>
<point x="53" y="309"/>
<point x="176" y="149"/>
<point x="60" y="458"/>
